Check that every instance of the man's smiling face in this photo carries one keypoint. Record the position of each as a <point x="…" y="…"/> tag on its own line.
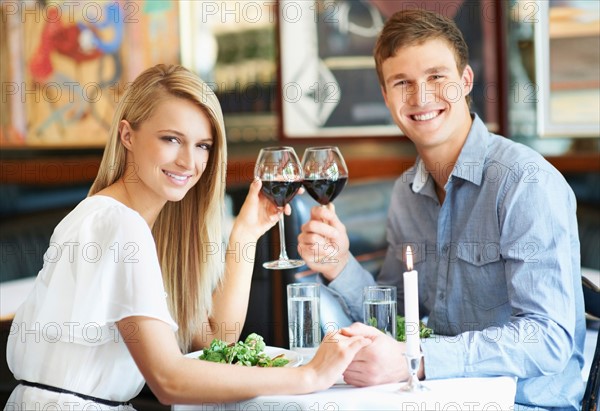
<point x="426" y="94"/>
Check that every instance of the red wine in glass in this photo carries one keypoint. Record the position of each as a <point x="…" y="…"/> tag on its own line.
<point x="325" y="173"/>
<point x="281" y="174"/>
<point x="280" y="192"/>
<point x="324" y="191"/>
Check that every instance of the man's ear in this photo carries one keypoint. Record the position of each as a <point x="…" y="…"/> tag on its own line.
<point x="467" y="78"/>
<point x="125" y="134"/>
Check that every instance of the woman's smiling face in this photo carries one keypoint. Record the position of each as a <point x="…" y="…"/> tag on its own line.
<point x="169" y="151"/>
<point x="426" y="94"/>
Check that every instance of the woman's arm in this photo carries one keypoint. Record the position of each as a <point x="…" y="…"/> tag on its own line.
<point x="230" y="299"/>
<point x="174" y="378"/>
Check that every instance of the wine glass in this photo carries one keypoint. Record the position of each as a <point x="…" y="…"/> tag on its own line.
<point x="279" y="170"/>
<point x="325" y="173"/>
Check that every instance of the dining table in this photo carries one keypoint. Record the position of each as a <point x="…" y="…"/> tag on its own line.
<point x="495" y="393"/>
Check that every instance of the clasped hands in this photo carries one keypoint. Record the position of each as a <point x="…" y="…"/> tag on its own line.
<point x="380" y="362"/>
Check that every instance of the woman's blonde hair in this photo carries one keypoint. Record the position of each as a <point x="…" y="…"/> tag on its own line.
<point x="186" y="232"/>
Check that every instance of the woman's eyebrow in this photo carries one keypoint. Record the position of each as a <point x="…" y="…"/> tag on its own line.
<point x="171" y="131"/>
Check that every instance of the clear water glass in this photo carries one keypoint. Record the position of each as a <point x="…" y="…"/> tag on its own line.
<point x="304" y="325"/>
<point x="379" y="308"/>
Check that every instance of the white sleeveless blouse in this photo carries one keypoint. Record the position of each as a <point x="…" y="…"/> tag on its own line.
<point x="101" y="266"/>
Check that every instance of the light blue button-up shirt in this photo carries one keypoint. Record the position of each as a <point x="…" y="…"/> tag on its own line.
<point x="499" y="269"/>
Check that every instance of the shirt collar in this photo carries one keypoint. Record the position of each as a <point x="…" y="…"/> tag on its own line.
<point x="471" y="159"/>
<point x="421" y="176"/>
<point x="469" y="165"/>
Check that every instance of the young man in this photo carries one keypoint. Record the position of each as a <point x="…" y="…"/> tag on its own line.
<point x="493" y="228"/>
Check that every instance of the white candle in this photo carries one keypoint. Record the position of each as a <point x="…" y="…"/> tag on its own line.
<point x="411" y="307"/>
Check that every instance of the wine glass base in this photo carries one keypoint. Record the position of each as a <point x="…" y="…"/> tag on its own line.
<point x="283" y="264"/>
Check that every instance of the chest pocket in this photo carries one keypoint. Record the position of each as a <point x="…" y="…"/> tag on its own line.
<point x="479" y="272"/>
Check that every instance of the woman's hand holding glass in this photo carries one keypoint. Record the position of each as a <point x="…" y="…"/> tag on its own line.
<point x="257" y="215"/>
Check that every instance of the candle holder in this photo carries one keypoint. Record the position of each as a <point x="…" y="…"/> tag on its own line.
<point x="413" y="384"/>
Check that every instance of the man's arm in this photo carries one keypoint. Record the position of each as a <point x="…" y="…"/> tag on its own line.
<point x="323" y="243"/>
<point x="348" y="286"/>
<point x="541" y="266"/>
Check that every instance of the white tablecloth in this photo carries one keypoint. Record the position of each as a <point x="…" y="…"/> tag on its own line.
<point x="12" y="295"/>
<point x="451" y="394"/>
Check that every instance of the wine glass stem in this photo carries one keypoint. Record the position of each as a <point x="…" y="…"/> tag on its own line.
<point x="282" y="253"/>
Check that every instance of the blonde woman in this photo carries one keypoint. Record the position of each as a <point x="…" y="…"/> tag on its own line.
<point x="131" y="279"/>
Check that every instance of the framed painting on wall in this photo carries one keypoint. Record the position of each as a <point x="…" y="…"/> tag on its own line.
<point x="230" y="44"/>
<point x="70" y="63"/>
<point x="12" y="116"/>
<point x="329" y="86"/>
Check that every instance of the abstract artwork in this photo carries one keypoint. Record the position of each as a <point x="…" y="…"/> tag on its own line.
<point x="329" y="83"/>
<point x="76" y="59"/>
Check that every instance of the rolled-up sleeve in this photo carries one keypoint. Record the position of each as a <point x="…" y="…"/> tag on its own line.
<point x="349" y="284"/>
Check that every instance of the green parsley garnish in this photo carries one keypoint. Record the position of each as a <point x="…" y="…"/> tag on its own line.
<point x="424" y="332"/>
<point x="248" y="353"/>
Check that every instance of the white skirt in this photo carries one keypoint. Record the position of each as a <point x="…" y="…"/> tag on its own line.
<point x="25" y="398"/>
